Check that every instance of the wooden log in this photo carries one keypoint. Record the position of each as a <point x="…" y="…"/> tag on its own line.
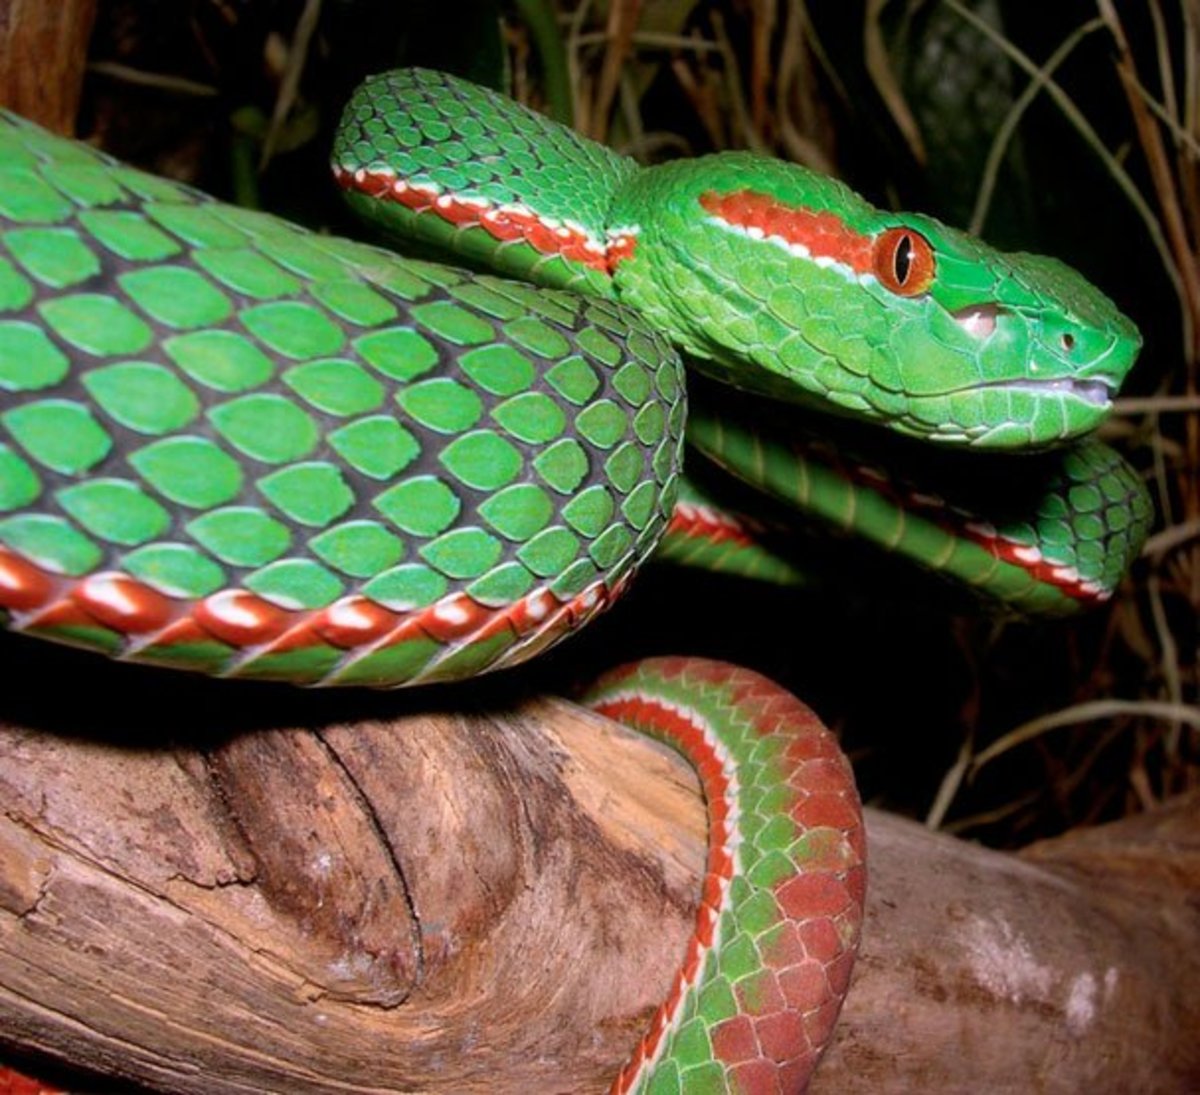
<point x="442" y="901"/>
<point x="43" y="51"/>
<point x="422" y="899"/>
<point x="1071" y="967"/>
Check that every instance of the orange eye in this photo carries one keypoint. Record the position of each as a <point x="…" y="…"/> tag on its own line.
<point x="902" y="260"/>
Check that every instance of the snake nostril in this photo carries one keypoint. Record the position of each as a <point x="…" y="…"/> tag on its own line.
<point x="1068" y="342"/>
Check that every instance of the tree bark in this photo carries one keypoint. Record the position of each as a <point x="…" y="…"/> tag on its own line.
<point x="210" y="887"/>
<point x="43" y="51"/>
<point x="1070" y="967"/>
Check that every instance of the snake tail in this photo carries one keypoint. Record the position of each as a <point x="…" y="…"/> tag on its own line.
<point x="231" y="445"/>
<point x="761" y="984"/>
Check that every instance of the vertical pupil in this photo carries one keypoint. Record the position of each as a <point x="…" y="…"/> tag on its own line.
<point x="903" y="259"/>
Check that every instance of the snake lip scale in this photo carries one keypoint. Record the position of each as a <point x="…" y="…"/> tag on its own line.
<point x="1095" y="392"/>
<point x="1098" y="393"/>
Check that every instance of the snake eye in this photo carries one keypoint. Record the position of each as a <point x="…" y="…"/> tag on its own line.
<point x="903" y="261"/>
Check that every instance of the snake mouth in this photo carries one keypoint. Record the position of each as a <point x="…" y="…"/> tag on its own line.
<point x="1094" y="392"/>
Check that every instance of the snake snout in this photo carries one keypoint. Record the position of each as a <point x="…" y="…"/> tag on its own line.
<point x="1096" y="359"/>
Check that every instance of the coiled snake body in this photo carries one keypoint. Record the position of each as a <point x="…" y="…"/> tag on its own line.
<point x="233" y="446"/>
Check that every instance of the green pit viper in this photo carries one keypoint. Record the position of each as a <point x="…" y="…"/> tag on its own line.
<point x="231" y="445"/>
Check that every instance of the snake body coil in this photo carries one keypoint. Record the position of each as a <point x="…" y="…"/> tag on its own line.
<point x="230" y="445"/>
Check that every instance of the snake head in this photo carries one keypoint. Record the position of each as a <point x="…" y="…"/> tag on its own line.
<point x="1036" y="352"/>
<point x="785" y="282"/>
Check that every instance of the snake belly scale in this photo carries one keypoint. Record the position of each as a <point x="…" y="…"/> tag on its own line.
<point x="234" y="446"/>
